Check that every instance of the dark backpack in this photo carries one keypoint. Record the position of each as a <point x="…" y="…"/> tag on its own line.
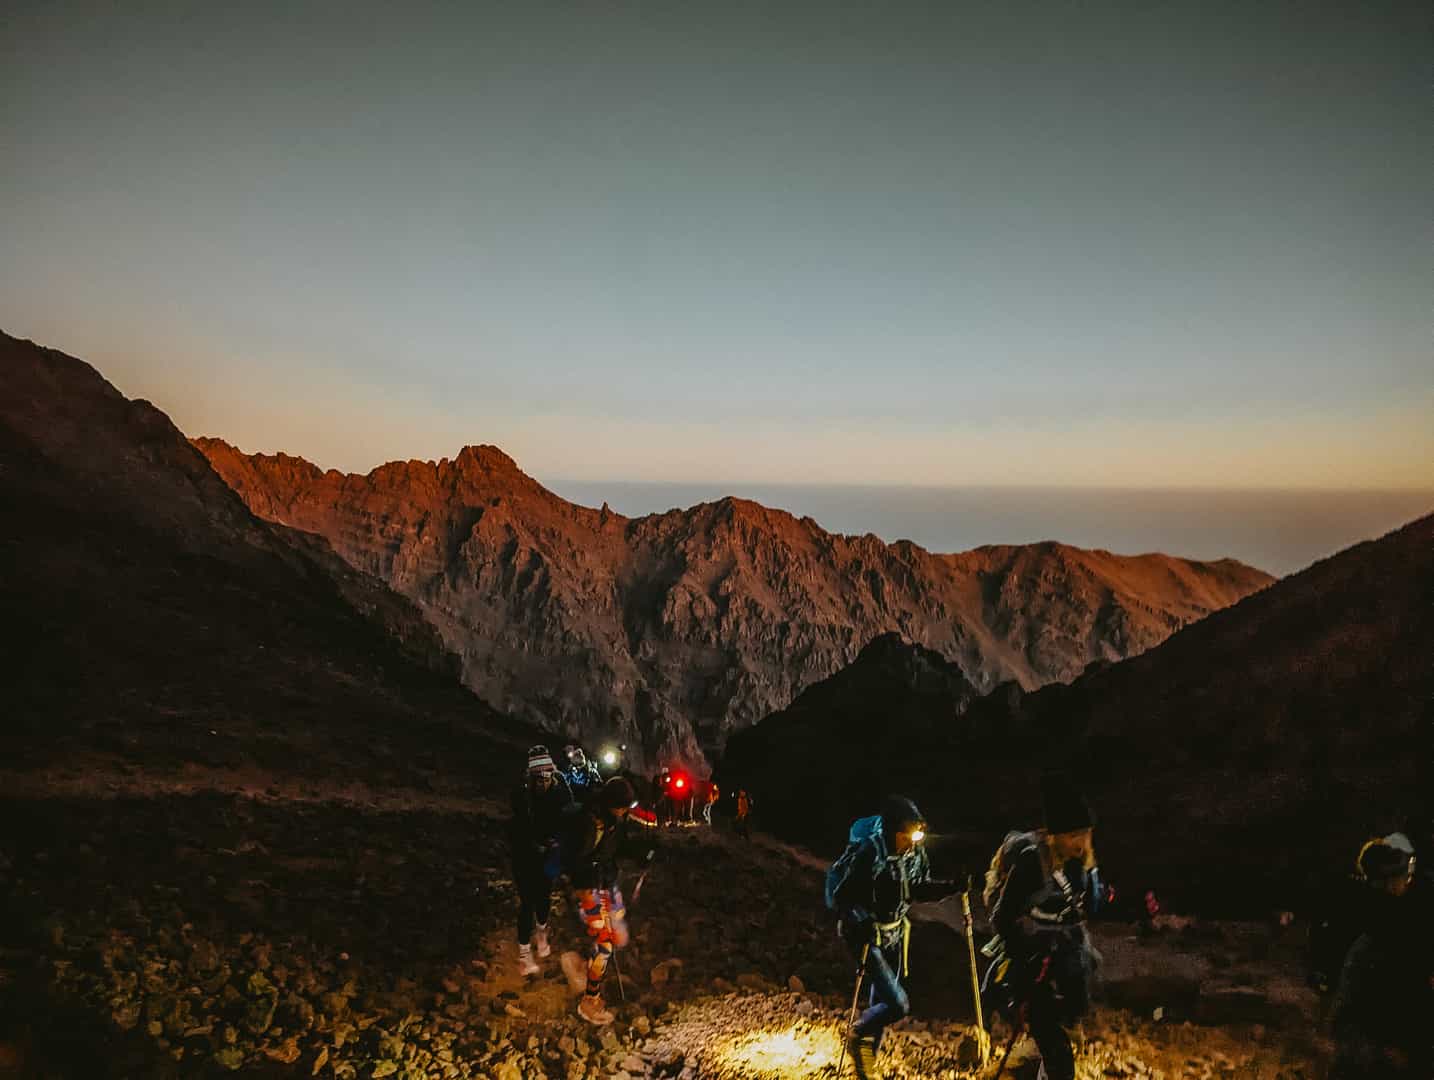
<point x="1013" y="847"/>
<point x="863" y="831"/>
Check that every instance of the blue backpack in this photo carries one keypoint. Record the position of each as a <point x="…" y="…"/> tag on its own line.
<point x="863" y="831"/>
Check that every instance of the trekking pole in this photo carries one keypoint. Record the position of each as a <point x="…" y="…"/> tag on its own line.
<point x="855" y="994"/>
<point x="975" y="979"/>
<point x="646" y="866"/>
<point x="616" y="967"/>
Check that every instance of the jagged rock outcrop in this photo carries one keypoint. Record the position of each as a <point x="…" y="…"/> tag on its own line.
<point x="671" y="631"/>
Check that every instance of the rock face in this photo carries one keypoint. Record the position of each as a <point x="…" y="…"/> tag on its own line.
<point x="673" y="630"/>
<point x="152" y="613"/>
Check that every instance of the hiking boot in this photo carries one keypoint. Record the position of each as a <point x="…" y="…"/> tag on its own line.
<point x="862" y="1049"/>
<point x="590" y="1009"/>
<point x="526" y="964"/>
<point x="575" y="968"/>
<point x="540" y="941"/>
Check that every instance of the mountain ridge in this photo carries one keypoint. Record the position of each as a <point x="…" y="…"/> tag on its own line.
<point x="670" y="630"/>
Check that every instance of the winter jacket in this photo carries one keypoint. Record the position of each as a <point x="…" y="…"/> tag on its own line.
<point x="535" y="827"/>
<point x="880" y="887"/>
<point x="582" y="779"/>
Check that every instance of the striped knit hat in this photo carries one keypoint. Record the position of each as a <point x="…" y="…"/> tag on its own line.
<point x="540" y="762"/>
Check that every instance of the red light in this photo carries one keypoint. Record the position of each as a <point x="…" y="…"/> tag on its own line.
<point x="679" y="782"/>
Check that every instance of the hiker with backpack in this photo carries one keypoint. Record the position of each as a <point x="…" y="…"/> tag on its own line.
<point x="871" y="887"/>
<point x="1380" y="1010"/>
<point x="595" y="837"/>
<point x="579" y="772"/>
<point x="538" y="807"/>
<point x="1041" y="888"/>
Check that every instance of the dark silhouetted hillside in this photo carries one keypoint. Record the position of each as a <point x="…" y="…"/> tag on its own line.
<point x="150" y="616"/>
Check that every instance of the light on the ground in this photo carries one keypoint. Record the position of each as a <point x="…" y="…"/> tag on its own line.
<point x="792" y="1051"/>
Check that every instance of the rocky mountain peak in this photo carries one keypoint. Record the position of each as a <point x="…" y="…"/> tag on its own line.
<point x="488" y="461"/>
<point x="670" y="631"/>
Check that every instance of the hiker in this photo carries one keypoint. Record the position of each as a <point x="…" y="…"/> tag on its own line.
<point x="581" y="775"/>
<point x="595" y="836"/>
<point x="1380" y="1012"/>
<point x="712" y="796"/>
<point x="744" y="809"/>
<point x="679" y="795"/>
<point x="1040" y="889"/>
<point x="538" y="806"/>
<point x="871" y="887"/>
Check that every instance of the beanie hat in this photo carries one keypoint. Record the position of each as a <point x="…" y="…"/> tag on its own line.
<point x="540" y="761"/>
<point x="1065" y="808"/>
<point x="896" y="811"/>
<point x="1385" y="859"/>
<point x="617" y="794"/>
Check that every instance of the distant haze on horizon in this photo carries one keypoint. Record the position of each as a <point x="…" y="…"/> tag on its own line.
<point x="1280" y="532"/>
<point x="1097" y="245"/>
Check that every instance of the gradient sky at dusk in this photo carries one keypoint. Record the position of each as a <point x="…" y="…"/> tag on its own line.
<point x="1000" y="243"/>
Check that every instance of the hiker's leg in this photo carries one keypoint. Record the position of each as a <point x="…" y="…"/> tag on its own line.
<point x="1057" y="1058"/>
<point x="543" y="901"/>
<point x="890" y="1001"/>
<point x="590" y="910"/>
<point x="532" y="898"/>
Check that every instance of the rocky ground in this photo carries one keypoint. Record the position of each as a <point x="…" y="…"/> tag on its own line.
<point x="199" y="930"/>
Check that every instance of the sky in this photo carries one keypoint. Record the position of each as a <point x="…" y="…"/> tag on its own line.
<point x="1026" y="244"/>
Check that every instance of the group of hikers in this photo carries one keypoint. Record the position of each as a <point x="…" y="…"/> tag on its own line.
<point x="678" y="799"/>
<point x="569" y="820"/>
<point x="1040" y="890"/>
